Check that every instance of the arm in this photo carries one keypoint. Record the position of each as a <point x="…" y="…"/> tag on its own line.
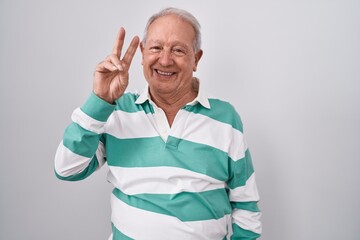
<point x="243" y="197"/>
<point x="243" y="193"/>
<point x="82" y="150"/>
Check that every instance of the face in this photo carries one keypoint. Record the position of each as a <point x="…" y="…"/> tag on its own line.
<point x="168" y="57"/>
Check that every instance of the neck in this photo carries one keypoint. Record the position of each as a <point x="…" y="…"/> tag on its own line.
<point x="176" y="99"/>
<point x="171" y="103"/>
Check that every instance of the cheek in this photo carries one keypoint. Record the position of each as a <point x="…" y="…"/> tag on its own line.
<point x="148" y="60"/>
<point x="188" y="65"/>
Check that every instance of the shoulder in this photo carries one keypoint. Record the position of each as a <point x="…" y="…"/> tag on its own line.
<point x="221" y="111"/>
<point x="127" y="102"/>
<point x="226" y="112"/>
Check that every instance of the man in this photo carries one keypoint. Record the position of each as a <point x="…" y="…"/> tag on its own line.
<point x="177" y="159"/>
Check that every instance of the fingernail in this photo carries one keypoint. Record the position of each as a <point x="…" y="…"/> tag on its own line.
<point x="119" y="67"/>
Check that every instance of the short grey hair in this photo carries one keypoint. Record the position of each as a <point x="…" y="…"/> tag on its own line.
<point x="182" y="14"/>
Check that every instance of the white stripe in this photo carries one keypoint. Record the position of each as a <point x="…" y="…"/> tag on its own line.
<point x="247" y="193"/>
<point x="202" y="129"/>
<point x="230" y="231"/>
<point x="238" y="146"/>
<point x="160" y="180"/>
<point x="130" y="125"/>
<point x="87" y="122"/>
<point x="247" y="220"/>
<point x="141" y="224"/>
<point x="100" y="154"/>
<point x="68" y="163"/>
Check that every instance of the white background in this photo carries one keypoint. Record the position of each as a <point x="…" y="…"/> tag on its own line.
<point x="291" y="68"/>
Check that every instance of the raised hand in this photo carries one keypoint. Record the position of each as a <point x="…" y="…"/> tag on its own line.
<point x="111" y="76"/>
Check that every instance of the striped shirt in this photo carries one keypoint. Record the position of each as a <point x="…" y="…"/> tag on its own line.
<point x="194" y="180"/>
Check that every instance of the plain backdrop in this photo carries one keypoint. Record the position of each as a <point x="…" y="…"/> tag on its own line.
<point x="291" y="69"/>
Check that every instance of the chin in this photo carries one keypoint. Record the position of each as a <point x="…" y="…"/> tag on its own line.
<point x="163" y="88"/>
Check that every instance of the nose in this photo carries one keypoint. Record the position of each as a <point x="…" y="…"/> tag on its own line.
<point x="165" y="58"/>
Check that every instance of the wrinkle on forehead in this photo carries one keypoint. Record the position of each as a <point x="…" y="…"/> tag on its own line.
<point x="171" y="29"/>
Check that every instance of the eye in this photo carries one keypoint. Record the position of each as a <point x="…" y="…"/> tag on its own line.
<point x="179" y="51"/>
<point x="155" y="49"/>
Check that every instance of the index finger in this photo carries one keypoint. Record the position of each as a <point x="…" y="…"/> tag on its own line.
<point x="119" y="42"/>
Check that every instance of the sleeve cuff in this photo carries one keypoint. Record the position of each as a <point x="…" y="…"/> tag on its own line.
<point x="97" y="108"/>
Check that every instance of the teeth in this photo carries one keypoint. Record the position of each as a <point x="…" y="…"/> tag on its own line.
<point x="164" y="73"/>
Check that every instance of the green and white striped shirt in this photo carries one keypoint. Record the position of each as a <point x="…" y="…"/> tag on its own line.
<point x="194" y="180"/>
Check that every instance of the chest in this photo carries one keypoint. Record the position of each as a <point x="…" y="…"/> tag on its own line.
<point x="142" y="140"/>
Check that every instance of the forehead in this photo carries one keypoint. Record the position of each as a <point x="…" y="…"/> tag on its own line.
<point x="171" y="28"/>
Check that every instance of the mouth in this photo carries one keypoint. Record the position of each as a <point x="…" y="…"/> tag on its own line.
<point x="164" y="74"/>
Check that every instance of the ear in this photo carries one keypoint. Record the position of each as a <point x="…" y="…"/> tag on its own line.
<point x="142" y="53"/>
<point x="198" y="56"/>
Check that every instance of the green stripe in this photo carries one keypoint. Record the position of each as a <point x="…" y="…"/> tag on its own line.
<point x="97" y="108"/>
<point x="82" y="175"/>
<point x="153" y="152"/>
<point x="240" y="233"/>
<point x="221" y="111"/>
<point x="117" y="235"/>
<point x="186" y="206"/>
<point x="249" y="206"/>
<point x="240" y="171"/>
<point x="127" y="104"/>
<point x="80" y="140"/>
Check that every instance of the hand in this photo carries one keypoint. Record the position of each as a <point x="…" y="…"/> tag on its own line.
<point x="111" y="76"/>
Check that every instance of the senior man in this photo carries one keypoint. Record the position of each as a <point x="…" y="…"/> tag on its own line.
<point x="177" y="159"/>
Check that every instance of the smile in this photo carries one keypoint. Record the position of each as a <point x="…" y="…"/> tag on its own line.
<point x="164" y="73"/>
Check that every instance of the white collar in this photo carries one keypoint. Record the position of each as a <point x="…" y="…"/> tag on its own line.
<point x="200" y="98"/>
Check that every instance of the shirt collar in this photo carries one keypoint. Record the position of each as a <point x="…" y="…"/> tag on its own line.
<point x="200" y="98"/>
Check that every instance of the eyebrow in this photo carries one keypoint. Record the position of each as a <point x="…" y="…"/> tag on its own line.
<point x="176" y="43"/>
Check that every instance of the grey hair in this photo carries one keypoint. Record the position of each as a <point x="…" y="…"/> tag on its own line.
<point x="182" y="14"/>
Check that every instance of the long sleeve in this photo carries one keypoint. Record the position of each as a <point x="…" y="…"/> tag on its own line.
<point x="82" y="151"/>
<point x="243" y="193"/>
